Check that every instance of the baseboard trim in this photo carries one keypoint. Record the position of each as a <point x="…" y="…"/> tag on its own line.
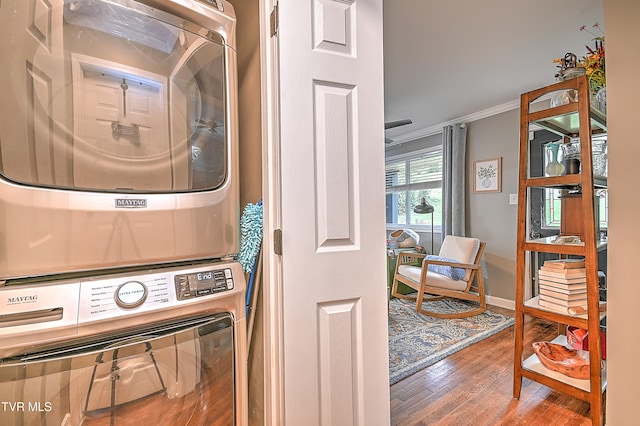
<point x="501" y="303"/>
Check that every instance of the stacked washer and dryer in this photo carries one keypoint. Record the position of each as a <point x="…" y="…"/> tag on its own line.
<point x="120" y="299"/>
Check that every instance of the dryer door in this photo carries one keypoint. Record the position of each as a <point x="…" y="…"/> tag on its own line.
<point x="173" y="374"/>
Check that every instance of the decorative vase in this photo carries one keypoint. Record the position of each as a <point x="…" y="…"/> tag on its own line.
<point x="554" y="167"/>
<point x="600" y="99"/>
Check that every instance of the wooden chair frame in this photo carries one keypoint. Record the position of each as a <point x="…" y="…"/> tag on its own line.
<point x="427" y="293"/>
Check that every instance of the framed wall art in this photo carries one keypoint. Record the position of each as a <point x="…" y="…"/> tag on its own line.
<point x="487" y="175"/>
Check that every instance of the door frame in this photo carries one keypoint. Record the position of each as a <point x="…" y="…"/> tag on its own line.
<point x="271" y="190"/>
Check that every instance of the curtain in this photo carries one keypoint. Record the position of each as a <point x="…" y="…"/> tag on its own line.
<point x="454" y="147"/>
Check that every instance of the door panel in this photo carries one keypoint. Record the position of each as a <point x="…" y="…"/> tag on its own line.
<point x="332" y="213"/>
<point x="108" y="157"/>
<point x="334" y="178"/>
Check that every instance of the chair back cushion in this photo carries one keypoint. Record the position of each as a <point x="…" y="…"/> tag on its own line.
<point x="462" y="249"/>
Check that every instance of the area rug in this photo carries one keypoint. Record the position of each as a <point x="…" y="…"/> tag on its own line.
<point x="417" y="341"/>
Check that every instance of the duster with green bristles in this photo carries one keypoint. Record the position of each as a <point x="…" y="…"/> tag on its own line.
<point x="250" y="235"/>
<point x="251" y="229"/>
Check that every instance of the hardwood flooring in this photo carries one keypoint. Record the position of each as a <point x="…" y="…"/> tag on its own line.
<point x="475" y="387"/>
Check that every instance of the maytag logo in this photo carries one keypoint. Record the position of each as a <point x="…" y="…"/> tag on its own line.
<point x="131" y="203"/>
<point x="22" y="299"/>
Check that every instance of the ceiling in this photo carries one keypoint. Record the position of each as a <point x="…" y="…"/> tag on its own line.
<point x="453" y="60"/>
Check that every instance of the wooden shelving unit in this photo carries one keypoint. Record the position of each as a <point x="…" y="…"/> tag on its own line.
<point x="567" y="120"/>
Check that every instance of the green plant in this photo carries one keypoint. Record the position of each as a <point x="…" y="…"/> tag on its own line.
<point x="487" y="172"/>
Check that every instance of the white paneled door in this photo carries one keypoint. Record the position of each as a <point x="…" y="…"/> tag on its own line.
<point x="333" y="292"/>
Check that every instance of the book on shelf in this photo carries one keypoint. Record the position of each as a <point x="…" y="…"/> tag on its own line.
<point x="550" y="292"/>
<point x="565" y="302"/>
<point x="564" y="264"/>
<point x="563" y="273"/>
<point x="560" y="280"/>
<point x="570" y="289"/>
<point x="572" y="280"/>
<point x="579" y="306"/>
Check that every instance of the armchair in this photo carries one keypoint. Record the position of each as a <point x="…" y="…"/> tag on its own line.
<point x="455" y="273"/>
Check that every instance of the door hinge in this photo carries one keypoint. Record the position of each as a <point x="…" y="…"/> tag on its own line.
<point x="274" y="20"/>
<point x="277" y="241"/>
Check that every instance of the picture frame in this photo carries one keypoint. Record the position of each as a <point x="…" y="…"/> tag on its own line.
<point x="487" y="175"/>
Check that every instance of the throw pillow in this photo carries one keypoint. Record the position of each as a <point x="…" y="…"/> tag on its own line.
<point x="455" y="274"/>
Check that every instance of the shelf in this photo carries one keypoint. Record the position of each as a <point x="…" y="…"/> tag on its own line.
<point x="569" y="124"/>
<point x="542" y="245"/>
<point x="560" y="182"/>
<point x="533" y="364"/>
<point x="548" y="245"/>
<point x="552" y="240"/>
<point x="569" y="182"/>
<point x="532" y="307"/>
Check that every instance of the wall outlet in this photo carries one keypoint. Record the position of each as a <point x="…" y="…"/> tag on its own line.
<point x="513" y="198"/>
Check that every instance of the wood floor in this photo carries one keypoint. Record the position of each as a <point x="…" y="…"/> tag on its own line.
<point x="475" y="387"/>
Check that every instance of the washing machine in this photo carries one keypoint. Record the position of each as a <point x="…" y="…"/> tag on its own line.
<point x="163" y="346"/>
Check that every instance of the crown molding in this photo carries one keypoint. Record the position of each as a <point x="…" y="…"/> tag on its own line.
<point x="436" y="129"/>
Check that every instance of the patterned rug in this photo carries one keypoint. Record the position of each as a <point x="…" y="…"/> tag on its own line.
<point x="417" y="341"/>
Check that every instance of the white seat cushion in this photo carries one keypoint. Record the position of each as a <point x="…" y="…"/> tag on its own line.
<point x="433" y="278"/>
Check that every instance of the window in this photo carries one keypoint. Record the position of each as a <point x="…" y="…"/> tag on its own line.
<point x="552" y="209"/>
<point x="409" y="178"/>
<point x="552" y="201"/>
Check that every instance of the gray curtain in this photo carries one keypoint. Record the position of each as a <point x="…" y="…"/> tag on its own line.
<point x="454" y="148"/>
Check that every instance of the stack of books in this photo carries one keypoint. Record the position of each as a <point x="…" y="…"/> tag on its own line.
<point x="563" y="285"/>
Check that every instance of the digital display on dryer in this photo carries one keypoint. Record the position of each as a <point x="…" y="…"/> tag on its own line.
<point x="204" y="283"/>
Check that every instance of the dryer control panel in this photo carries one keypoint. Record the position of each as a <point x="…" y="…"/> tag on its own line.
<point x="110" y="297"/>
<point x="204" y="283"/>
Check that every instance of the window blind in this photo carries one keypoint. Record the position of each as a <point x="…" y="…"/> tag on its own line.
<point x="420" y="171"/>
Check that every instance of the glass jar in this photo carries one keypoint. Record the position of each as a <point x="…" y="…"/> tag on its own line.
<point x="571" y="156"/>
<point x="600" y="99"/>
<point x="564" y="97"/>
<point x="599" y="155"/>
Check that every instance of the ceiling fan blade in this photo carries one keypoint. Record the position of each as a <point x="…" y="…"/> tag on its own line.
<point x="392" y="124"/>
